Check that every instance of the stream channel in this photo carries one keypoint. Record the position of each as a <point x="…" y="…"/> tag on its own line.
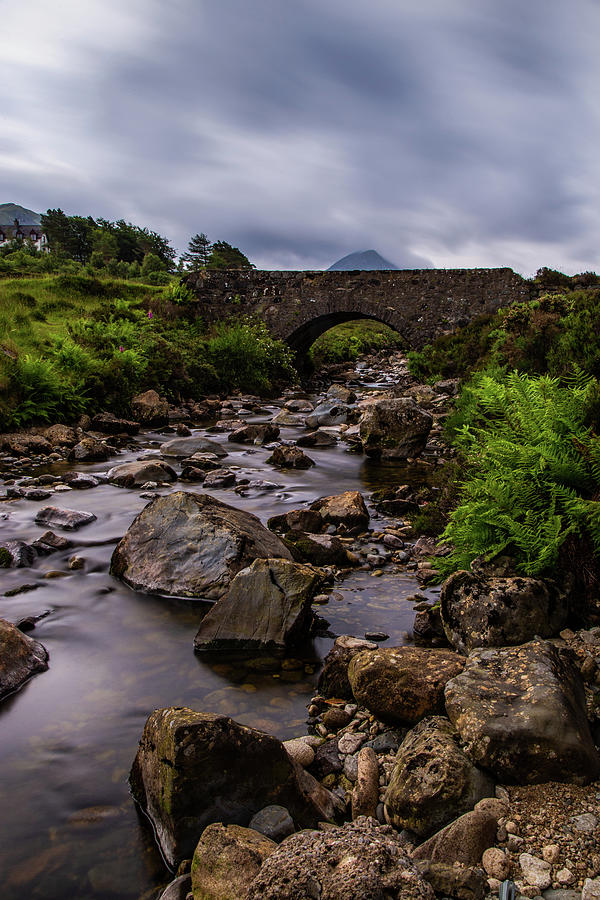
<point x="69" y="829"/>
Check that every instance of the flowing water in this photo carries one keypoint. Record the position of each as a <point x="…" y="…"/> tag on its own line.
<point x="69" y="828"/>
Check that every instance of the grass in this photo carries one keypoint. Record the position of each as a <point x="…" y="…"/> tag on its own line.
<point x="348" y="341"/>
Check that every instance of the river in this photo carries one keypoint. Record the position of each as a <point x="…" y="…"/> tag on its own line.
<point x="69" y="827"/>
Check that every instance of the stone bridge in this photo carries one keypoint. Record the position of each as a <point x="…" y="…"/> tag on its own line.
<point x="298" y="307"/>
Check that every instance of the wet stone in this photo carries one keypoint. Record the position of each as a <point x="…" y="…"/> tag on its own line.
<point x="69" y="519"/>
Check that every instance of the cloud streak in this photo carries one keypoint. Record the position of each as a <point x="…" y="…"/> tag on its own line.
<point x="460" y="134"/>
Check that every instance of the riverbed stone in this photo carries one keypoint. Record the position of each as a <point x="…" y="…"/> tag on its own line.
<point x="433" y="780"/>
<point x="347" y="509"/>
<point x="274" y="822"/>
<point x="464" y="840"/>
<point x="60" y="517"/>
<point x="479" y="611"/>
<point x="254" y="434"/>
<point x="137" y="473"/>
<point x="365" y="795"/>
<point x="191" y="545"/>
<point x="360" y="861"/>
<point x="183" y="447"/>
<point x="107" y="423"/>
<point x="402" y="685"/>
<point x="81" y="481"/>
<point x="288" y="457"/>
<point x="267" y="606"/>
<point x="24" y="444"/>
<point x="149" y="409"/>
<point x="178" y="889"/>
<point x="341" y="392"/>
<point x="226" y="860"/>
<point x="195" y="768"/>
<point x="322" y="549"/>
<point x="333" y="680"/>
<point x="521" y="714"/>
<point x="89" y="450"/>
<point x="61" y="435"/>
<point x="318" y="438"/>
<point x="22" y="555"/>
<point x="20" y="658"/>
<point x="394" y="428"/>
<point x="330" y="412"/>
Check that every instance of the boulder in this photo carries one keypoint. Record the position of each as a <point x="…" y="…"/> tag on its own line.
<point x="286" y="457"/>
<point x="254" y="434"/>
<point x="149" y="409"/>
<point x="496" y="612"/>
<point x="333" y="680"/>
<point x="61" y="436"/>
<point x="402" y="685"/>
<point x="25" y="444"/>
<point x="273" y="821"/>
<point x="347" y="509"/>
<point x="360" y="861"/>
<point x="81" y="481"/>
<point x="520" y="712"/>
<point x="341" y="392"/>
<point x="107" y="423"/>
<point x="208" y="462"/>
<point x="178" y="889"/>
<point x="59" y="517"/>
<point x="89" y="450"/>
<point x="299" y="404"/>
<point x="308" y="520"/>
<point x="191" y="545"/>
<point x="330" y="412"/>
<point x="135" y="474"/>
<point x="195" y="768"/>
<point x="226" y="861"/>
<point x="184" y="447"/>
<point x="219" y="478"/>
<point x="461" y="882"/>
<point x="322" y="549"/>
<point x="465" y="839"/>
<point x="267" y="606"/>
<point x="288" y="419"/>
<point x="20" y="658"/>
<point x="433" y="780"/>
<point x="317" y="438"/>
<point x="17" y="553"/>
<point x="394" y="429"/>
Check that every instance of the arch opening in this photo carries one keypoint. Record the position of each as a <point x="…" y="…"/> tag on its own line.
<point x="303" y="337"/>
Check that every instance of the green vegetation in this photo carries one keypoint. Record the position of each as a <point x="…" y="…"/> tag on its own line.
<point x="202" y="254"/>
<point x="79" y="341"/>
<point x="348" y="341"/>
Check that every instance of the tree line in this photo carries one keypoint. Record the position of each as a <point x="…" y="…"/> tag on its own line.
<point x="127" y="249"/>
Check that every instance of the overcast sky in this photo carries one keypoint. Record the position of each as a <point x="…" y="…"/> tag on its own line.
<point x="445" y="132"/>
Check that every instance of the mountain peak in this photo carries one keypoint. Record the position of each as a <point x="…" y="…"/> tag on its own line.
<point x="366" y="260"/>
<point x="11" y="211"/>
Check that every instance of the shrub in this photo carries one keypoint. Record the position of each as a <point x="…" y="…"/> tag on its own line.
<point x="245" y="356"/>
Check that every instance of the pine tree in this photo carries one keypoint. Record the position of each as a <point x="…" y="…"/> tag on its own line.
<point x="198" y="252"/>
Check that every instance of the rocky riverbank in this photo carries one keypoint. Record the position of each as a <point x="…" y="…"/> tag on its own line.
<point x="440" y="768"/>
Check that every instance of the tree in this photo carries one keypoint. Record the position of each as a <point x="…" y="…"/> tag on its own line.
<point x="198" y="252"/>
<point x="224" y="256"/>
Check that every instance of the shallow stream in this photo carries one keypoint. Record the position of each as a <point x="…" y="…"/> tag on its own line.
<point x="69" y="828"/>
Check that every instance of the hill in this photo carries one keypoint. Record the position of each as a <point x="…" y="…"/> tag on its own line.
<point x="366" y="260"/>
<point x="11" y="211"/>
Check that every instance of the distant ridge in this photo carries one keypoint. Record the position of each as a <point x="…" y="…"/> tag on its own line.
<point x="11" y="211"/>
<point x="366" y="260"/>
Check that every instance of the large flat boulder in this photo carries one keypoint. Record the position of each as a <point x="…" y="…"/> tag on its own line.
<point x="479" y="611"/>
<point x="134" y="474"/>
<point x="402" y="685"/>
<point x="520" y="713"/>
<point x="394" y="429"/>
<point x="183" y="447"/>
<point x="20" y="658"/>
<point x="191" y="545"/>
<point x="195" y="768"/>
<point x="360" y="861"/>
<point x="267" y="606"/>
<point x="433" y="780"/>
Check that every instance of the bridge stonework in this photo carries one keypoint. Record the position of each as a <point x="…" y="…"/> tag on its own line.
<point x="419" y="304"/>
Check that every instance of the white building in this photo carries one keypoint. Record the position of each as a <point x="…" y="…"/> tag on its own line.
<point x="18" y="232"/>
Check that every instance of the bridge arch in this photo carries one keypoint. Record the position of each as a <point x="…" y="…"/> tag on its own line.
<point x="303" y="337"/>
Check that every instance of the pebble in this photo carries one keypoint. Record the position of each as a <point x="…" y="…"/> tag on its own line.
<point x="551" y="853"/>
<point x="350" y="742"/>
<point x="591" y="889"/>
<point x="585" y="822"/>
<point x="496" y="863"/>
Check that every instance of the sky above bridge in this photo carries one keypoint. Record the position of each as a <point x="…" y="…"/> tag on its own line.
<point x="452" y="133"/>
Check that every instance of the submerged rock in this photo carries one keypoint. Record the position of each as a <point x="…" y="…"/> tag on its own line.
<point x="195" y="768"/>
<point x="20" y="658"/>
<point x="60" y="517"/>
<point x="480" y="611"/>
<point x="394" y="429"/>
<point x="360" y="861"/>
<point x="433" y="780"/>
<point x="182" y="447"/>
<point x="191" y="545"/>
<point x="268" y="605"/>
<point x="520" y="712"/>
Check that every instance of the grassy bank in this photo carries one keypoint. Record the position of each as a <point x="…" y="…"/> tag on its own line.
<point x="74" y="342"/>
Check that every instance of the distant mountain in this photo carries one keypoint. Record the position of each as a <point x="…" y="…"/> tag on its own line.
<point x="11" y="211"/>
<point x="366" y="260"/>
